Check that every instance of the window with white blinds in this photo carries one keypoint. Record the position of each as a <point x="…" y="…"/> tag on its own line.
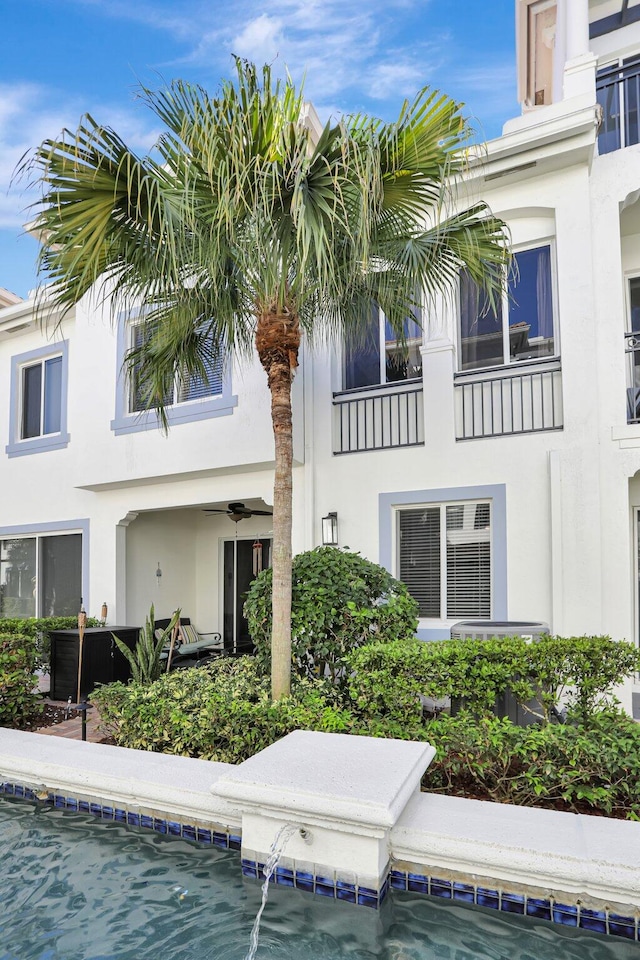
<point x="444" y="557"/>
<point x="194" y="387"/>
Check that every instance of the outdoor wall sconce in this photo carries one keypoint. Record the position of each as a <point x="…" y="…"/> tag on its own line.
<point x="330" y="530"/>
<point x="158" y="573"/>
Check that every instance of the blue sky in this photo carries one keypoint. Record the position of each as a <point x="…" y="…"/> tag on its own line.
<point x="62" y="58"/>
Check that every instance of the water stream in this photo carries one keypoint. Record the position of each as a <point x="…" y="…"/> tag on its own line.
<point x="281" y="839"/>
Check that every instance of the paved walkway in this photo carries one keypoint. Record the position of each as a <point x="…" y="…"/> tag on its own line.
<point x="71" y="729"/>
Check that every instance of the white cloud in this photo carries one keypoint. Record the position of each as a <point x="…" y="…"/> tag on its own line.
<point x="259" y="40"/>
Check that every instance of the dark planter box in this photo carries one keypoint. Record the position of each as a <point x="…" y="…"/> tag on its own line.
<point x="102" y="662"/>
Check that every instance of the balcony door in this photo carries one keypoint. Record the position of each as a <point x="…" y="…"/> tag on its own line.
<point x="242" y="560"/>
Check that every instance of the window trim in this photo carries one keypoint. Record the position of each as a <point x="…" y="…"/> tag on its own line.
<point x="187" y="411"/>
<point x="386" y="384"/>
<point x="516" y="364"/>
<point x="52" y="528"/>
<point x="17" y="447"/>
<point x="389" y="505"/>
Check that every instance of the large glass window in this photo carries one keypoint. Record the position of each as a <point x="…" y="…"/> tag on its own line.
<point x="444" y="557"/>
<point x="618" y="93"/>
<point x="41" y="576"/>
<point x="632" y="350"/>
<point x="41" y="398"/>
<point x="190" y="388"/>
<point x="378" y="356"/>
<point x="518" y="327"/>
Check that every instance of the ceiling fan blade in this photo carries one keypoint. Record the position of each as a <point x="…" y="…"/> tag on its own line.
<point x="261" y="513"/>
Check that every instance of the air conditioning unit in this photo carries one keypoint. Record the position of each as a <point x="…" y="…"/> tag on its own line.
<point x="485" y="629"/>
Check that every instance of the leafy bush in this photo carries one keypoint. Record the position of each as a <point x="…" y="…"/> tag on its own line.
<point x="145" y="659"/>
<point x="592" y="768"/>
<point x="579" y="672"/>
<point x="340" y="601"/>
<point x="18" y="704"/>
<point x="222" y="711"/>
<point x="38" y="630"/>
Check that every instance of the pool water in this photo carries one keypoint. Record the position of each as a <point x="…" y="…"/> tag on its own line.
<point x="74" y="889"/>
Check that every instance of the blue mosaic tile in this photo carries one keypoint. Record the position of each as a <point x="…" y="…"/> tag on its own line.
<point x="188" y="832"/>
<point x="538" y="908"/>
<point x="417" y="883"/>
<point x="18" y="791"/>
<point x="325" y="890"/>
<point x="133" y="819"/>
<point x="622" y="926"/>
<point x="384" y="890"/>
<point x="175" y="830"/>
<point x="441" y="888"/>
<point x="146" y="821"/>
<point x="249" y="870"/>
<point x="95" y="809"/>
<point x="346" y="891"/>
<point x="304" y="881"/>
<point x="464" y="892"/>
<point x="72" y="804"/>
<point x="59" y="801"/>
<point x="283" y="881"/>
<point x="565" y="914"/>
<point x="83" y="806"/>
<point x="159" y="825"/>
<point x="107" y="813"/>
<point x="120" y="815"/>
<point x="398" y="880"/>
<point x="595" y="920"/>
<point x="513" y="903"/>
<point x="235" y="842"/>
<point x="367" y="901"/>
<point x="488" y="898"/>
<point x="220" y="839"/>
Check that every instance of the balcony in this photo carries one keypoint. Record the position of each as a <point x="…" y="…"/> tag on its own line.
<point x="516" y="400"/>
<point x="378" y="418"/>
<point x="632" y="357"/>
<point x="618" y="93"/>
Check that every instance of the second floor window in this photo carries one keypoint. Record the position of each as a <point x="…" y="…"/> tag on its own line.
<point x="379" y="357"/>
<point x="518" y="327"/>
<point x="618" y="93"/>
<point x="41" y="398"/>
<point x="189" y="388"/>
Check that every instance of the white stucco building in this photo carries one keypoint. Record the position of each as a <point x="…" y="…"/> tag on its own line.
<point x="497" y="470"/>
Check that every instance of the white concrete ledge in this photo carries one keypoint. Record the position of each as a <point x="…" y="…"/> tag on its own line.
<point x="559" y="853"/>
<point x="155" y="782"/>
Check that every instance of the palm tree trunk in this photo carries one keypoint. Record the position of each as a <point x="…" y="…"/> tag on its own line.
<point x="277" y="342"/>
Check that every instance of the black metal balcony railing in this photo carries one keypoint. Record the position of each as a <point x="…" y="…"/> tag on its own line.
<point x="618" y="93"/>
<point x="632" y="356"/>
<point x="513" y="402"/>
<point x="378" y="418"/>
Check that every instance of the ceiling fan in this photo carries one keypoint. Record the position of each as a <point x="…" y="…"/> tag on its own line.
<point x="238" y="511"/>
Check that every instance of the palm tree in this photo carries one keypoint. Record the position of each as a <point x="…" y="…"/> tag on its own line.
<point x="246" y="230"/>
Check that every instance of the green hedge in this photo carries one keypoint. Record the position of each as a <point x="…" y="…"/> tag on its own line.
<point x="339" y="601"/>
<point x="222" y="711"/>
<point x="593" y="768"/>
<point x="38" y="630"/>
<point x="576" y="673"/>
<point x="18" y="703"/>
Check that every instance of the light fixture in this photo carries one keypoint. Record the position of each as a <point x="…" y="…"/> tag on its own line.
<point x="330" y="530"/>
<point x="158" y="573"/>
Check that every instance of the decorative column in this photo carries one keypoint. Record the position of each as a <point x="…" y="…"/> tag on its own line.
<point x="580" y="64"/>
<point x="438" y="364"/>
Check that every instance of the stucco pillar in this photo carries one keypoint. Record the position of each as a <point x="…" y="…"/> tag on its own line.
<point x="438" y="365"/>
<point x="579" y="69"/>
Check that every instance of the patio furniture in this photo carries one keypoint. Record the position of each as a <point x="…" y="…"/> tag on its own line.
<point x="191" y="648"/>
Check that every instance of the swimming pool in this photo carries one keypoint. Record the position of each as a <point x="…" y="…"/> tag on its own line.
<point x="74" y="889"/>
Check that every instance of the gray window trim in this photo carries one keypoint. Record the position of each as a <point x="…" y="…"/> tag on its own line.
<point x="496" y="493"/>
<point x="53" y="527"/>
<point x="189" y="411"/>
<point x="54" y="441"/>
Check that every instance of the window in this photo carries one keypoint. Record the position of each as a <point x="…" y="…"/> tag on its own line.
<point x="378" y="357"/>
<point x="632" y="350"/>
<point x="444" y="557"/>
<point x="519" y="327"/>
<point x="38" y="408"/>
<point x="618" y="93"/>
<point x="192" y="388"/>
<point x="41" y="576"/>
<point x="542" y="37"/>
<point x="194" y="398"/>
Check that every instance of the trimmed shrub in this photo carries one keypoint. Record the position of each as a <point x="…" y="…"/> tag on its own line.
<point x="577" y="672"/>
<point x="340" y="601"/>
<point x="584" y="769"/>
<point x="19" y="705"/>
<point x="38" y="629"/>
<point x="222" y="711"/>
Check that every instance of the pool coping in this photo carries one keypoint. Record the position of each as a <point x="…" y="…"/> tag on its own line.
<point x="571" y="869"/>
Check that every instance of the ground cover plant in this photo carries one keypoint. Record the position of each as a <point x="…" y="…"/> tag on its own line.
<point x="581" y="754"/>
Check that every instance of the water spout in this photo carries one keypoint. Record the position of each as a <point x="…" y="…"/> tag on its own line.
<point x="277" y="849"/>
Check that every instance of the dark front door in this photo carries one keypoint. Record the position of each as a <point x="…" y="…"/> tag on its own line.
<point x="239" y="559"/>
